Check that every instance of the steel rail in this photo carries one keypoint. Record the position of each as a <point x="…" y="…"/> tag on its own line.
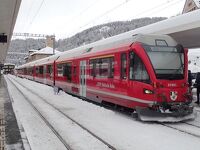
<point x="180" y="130"/>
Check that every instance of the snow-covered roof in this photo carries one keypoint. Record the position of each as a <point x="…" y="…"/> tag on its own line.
<point x="46" y="50"/>
<point x="10" y="64"/>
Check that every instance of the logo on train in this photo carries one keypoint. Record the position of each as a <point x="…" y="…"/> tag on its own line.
<point x="173" y="95"/>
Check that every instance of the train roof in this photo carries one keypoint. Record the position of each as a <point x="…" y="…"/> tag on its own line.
<point x="46" y="50"/>
<point x="115" y="42"/>
<point x="105" y="44"/>
<point x="46" y="60"/>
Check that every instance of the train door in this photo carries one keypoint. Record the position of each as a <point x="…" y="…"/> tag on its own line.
<point x="83" y="78"/>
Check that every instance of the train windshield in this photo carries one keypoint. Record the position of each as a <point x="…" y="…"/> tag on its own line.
<point x="168" y="62"/>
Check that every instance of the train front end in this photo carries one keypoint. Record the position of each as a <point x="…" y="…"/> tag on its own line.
<point x="169" y="73"/>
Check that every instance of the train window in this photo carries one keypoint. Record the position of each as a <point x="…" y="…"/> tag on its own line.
<point x="49" y="69"/>
<point x="44" y="69"/>
<point x="102" y="67"/>
<point x="111" y="67"/>
<point x="37" y="70"/>
<point x="60" y="70"/>
<point x="64" y="70"/>
<point x="67" y="71"/>
<point x="123" y="66"/>
<point x="25" y="70"/>
<point x="131" y="57"/>
<point x="98" y="68"/>
<point x="74" y="71"/>
<point x="41" y="69"/>
<point x="93" y="67"/>
<point x="137" y="69"/>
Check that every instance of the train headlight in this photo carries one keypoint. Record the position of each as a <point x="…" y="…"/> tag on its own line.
<point x="146" y="91"/>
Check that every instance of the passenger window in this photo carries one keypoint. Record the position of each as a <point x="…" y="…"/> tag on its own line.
<point x="59" y="70"/>
<point x="67" y="71"/>
<point x="102" y="67"/>
<point x="92" y="67"/>
<point x="131" y="57"/>
<point x="41" y="69"/>
<point x="137" y="69"/>
<point x="37" y="70"/>
<point x="49" y="69"/>
<point x="111" y="67"/>
<point x="123" y="66"/>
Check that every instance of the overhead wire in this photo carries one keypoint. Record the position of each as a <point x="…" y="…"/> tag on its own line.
<point x="149" y="10"/>
<point x="105" y="13"/>
<point x="37" y="12"/>
<point x="83" y="11"/>
<point x="28" y="14"/>
<point x="161" y="7"/>
<point x="153" y="8"/>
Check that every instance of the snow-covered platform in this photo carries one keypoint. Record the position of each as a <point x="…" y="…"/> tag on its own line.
<point x="10" y="137"/>
<point x="52" y="121"/>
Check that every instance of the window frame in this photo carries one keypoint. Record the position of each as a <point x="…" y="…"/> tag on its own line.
<point x="148" y="81"/>
<point x="97" y="65"/>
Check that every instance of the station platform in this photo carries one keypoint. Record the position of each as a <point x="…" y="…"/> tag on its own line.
<point x="10" y="137"/>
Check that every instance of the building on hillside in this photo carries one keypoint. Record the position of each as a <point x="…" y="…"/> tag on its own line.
<point x="191" y="5"/>
<point x="8" y="68"/>
<point x="39" y="54"/>
<point x="45" y="52"/>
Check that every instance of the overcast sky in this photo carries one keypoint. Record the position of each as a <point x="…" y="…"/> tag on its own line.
<point x="65" y="18"/>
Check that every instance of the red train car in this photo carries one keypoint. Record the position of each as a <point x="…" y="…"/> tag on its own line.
<point x="147" y="73"/>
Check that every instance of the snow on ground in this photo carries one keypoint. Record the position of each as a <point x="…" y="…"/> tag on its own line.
<point x="123" y="132"/>
<point x="39" y="136"/>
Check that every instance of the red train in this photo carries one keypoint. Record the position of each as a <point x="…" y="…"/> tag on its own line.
<point x="147" y="73"/>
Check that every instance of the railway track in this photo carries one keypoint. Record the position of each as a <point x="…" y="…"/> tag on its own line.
<point x="181" y="127"/>
<point x="194" y="125"/>
<point x="43" y="118"/>
<point x="65" y="115"/>
<point x="184" y="127"/>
